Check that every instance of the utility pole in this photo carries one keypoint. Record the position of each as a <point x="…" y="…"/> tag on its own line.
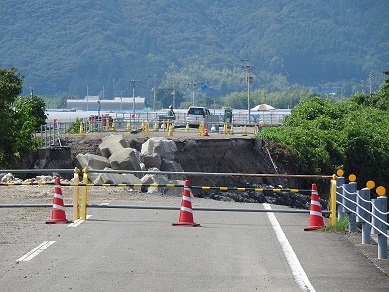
<point x="362" y="82"/>
<point x="247" y="67"/>
<point x="370" y="75"/>
<point x="193" y="90"/>
<point x="174" y="96"/>
<point x="154" y="89"/>
<point x="133" y="84"/>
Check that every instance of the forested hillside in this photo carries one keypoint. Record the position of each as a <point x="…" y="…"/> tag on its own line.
<point x="63" y="47"/>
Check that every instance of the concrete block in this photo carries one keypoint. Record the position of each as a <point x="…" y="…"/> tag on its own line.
<point x="111" y="143"/>
<point x="177" y="191"/>
<point x="116" y="178"/>
<point x="156" y="179"/>
<point x="80" y="161"/>
<point x="152" y="160"/>
<point x="154" y="149"/>
<point x="125" y="159"/>
<point x="173" y="166"/>
<point x="96" y="161"/>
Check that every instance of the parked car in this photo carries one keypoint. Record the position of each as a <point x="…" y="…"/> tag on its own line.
<point x="197" y="114"/>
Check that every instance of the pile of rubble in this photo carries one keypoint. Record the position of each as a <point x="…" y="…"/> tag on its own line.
<point x="157" y="154"/>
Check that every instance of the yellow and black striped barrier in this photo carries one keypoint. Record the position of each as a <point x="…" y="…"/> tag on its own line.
<point x="205" y="188"/>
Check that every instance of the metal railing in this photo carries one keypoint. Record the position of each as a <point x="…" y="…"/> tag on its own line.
<point x="360" y="208"/>
<point x="51" y="132"/>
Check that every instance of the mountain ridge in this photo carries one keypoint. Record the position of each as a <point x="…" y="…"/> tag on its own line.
<point x="61" y="48"/>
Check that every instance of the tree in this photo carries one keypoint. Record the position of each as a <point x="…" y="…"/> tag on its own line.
<point x="18" y="123"/>
<point x="10" y="87"/>
<point x="31" y="106"/>
<point x="321" y="136"/>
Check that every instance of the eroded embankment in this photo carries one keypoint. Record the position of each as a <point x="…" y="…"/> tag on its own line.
<point x="224" y="155"/>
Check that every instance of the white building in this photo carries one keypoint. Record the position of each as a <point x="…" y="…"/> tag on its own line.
<point x="94" y="103"/>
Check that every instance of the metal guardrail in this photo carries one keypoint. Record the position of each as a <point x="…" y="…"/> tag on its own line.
<point x="370" y="213"/>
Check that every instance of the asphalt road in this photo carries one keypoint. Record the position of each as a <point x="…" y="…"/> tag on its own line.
<point x="139" y="250"/>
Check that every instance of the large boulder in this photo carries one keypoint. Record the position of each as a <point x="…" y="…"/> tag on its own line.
<point x="111" y="143"/>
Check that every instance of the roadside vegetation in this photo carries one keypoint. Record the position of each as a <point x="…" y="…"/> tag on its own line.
<point x="20" y="118"/>
<point x="341" y="225"/>
<point x="321" y="136"/>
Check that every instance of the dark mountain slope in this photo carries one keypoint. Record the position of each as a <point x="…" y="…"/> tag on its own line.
<point x="61" y="47"/>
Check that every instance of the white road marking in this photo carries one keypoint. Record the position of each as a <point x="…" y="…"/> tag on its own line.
<point x="294" y="264"/>
<point x="34" y="252"/>
<point x="78" y="221"/>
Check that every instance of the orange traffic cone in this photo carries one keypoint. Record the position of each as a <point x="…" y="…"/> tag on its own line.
<point x="315" y="215"/>
<point x="58" y="215"/>
<point x="206" y="131"/>
<point x="186" y="215"/>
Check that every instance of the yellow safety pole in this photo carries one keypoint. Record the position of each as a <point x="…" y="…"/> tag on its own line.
<point x="81" y="128"/>
<point x="84" y="193"/>
<point x="255" y="132"/>
<point x="333" y="201"/>
<point x="128" y="128"/>
<point x="232" y="130"/>
<point x="170" y="131"/>
<point x="187" y="128"/>
<point x="201" y="130"/>
<point x="225" y="128"/>
<point x="76" y="198"/>
<point x="244" y="131"/>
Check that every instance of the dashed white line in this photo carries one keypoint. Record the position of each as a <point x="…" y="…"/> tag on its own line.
<point x="297" y="270"/>
<point x="34" y="252"/>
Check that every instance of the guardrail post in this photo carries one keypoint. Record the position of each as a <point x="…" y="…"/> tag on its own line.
<point x="76" y="198"/>
<point x="84" y="193"/>
<point x="339" y="189"/>
<point x="379" y="209"/>
<point x="349" y="192"/>
<point x="363" y="202"/>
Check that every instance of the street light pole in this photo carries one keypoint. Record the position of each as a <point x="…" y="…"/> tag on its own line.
<point x="247" y="67"/>
<point x="154" y="89"/>
<point x="370" y="75"/>
<point x="133" y="83"/>
<point x="193" y="90"/>
<point x="362" y="82"/>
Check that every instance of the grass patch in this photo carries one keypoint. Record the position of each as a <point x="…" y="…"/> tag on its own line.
<point x="341" y="225"/>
